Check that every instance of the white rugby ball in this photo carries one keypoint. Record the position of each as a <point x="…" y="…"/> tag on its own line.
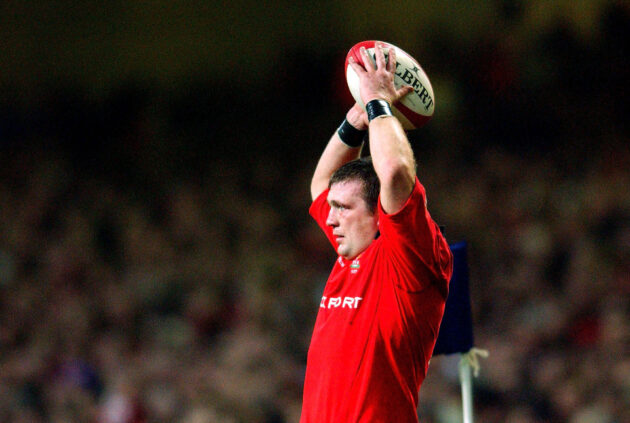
<point x="416" y="108"/>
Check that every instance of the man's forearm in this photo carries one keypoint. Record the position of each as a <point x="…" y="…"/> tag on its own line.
<point x="393" y="161"/>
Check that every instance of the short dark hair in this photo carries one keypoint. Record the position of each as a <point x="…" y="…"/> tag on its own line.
<point x="361" y="170"/>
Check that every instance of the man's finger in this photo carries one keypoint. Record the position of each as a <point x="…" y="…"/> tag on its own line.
<point x="367" y="60"/>
<point x="356" y="66"/>
<point x="391" y="60"/>
<point x="403" y="91"/>
<point x="379" y="56"/>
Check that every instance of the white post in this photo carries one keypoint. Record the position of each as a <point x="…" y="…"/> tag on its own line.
<point x="465" y="378"/>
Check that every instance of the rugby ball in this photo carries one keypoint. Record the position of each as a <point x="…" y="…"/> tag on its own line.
<point x="415" y="109"/>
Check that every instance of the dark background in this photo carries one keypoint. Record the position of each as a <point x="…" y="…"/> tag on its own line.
<point x="157" y="261"/>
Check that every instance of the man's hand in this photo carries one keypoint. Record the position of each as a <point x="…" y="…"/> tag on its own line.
<point x="357" y="117"/>
<point x="377" y="79"/>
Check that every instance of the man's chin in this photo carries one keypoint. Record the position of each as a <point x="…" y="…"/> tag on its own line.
<point x="346" y="255"/>
<point x="343" y="252"/>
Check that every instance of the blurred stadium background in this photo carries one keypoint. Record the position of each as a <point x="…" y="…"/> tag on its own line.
<point x="157" y="261"/>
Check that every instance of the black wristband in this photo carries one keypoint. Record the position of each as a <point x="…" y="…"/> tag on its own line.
<point x="349" y="135"/>
<point x="376" y="108"/>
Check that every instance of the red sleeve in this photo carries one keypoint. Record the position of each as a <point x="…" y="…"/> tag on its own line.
<point x="416" y="243"/>
<point x="319" y="211"/>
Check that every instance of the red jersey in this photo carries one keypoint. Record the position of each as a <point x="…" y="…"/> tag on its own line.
<point x="378" y="320"/>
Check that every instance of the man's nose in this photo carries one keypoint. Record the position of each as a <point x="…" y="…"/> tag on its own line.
<point x="332" y="220"/>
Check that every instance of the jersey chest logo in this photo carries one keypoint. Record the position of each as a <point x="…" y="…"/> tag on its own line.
<point x="354" y="266"/>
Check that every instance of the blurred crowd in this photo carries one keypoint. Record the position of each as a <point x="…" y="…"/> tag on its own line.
<point x="158" y="264"/>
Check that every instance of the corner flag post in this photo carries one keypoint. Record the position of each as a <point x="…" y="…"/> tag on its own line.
<point x="456" y="333"/>
<point x="465" y="379"/>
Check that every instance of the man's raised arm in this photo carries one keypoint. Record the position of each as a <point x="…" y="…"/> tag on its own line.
<point x="343" y="147"/>
<point x="389" y="147"/>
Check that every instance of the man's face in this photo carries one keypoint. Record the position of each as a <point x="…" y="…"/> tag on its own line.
<point x="354" y="225"/>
